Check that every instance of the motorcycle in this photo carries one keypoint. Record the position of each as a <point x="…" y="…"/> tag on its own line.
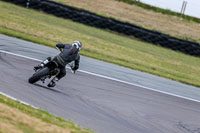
<point x="49" y="70"/>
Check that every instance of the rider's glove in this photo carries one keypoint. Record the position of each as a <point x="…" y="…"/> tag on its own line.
<point x="74" y="69"/>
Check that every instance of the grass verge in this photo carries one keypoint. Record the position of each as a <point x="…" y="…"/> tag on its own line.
<point x="16" y="117"/>
<point x="48" y="30"/>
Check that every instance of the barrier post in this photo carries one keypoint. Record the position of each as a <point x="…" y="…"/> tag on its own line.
<point x="27" y="3"/>
<point x="183" y="7"/>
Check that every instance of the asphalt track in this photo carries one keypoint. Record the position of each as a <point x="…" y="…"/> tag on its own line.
<point x="103" y="105"/>
<point x="106" y="106"/>
<point x="145" y="80"/>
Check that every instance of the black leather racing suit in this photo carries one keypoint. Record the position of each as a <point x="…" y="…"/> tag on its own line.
<point x="68" y="54"/>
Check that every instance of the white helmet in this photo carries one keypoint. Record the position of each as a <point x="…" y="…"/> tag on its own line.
<point x="77" y="44"/>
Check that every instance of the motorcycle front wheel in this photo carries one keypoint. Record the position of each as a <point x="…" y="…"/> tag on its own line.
<point x="38" y="75"/>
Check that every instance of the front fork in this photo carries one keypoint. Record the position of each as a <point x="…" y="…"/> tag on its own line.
<point x="42" y="64"/>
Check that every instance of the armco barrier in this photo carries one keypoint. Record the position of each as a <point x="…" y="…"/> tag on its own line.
<point x="95" y="20"/>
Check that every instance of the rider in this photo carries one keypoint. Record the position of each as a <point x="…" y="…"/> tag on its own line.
<point x="67" y="55"/>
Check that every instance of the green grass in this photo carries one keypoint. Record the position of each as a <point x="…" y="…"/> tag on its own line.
<point x="33" y="113"/>
<point x="164" y="11"/>
<point x="48" y="30"/>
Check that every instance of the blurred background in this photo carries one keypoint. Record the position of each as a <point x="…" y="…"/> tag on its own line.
<point x="191" y="7"/>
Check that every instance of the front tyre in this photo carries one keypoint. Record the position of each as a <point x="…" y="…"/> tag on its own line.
<point x="38" y="75"/>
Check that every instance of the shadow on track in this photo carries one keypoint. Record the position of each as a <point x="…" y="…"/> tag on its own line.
<point x="51" y="89"/>
<point x="45" y="87"/>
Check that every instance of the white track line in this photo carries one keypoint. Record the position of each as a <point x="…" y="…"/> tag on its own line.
<point x="112" y="79"/>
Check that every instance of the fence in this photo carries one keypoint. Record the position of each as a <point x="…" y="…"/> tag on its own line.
<point x="94" y="20"/>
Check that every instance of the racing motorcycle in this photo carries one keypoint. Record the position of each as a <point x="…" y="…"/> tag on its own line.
<point x="49" y="70"/>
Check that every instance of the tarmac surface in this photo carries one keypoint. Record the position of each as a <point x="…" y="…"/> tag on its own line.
<point x="101" y="104"/>
<point x="131" y="76"/>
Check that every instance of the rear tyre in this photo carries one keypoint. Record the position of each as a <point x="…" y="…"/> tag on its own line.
<point x="38" y="75"/>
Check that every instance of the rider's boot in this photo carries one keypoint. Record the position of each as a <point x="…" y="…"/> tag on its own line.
<point x="42" y="64"/>
<point x="37" y="67"/>
<point x="53" y="82"/>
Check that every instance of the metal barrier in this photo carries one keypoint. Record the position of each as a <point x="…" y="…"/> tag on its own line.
<point x="95" y="20"/>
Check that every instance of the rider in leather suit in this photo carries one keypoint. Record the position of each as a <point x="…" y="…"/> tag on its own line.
<point x="68" y="54"/>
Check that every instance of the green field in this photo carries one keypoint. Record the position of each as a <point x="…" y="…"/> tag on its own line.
<point x="48" y="30"/>
<point x="16" y="117"/>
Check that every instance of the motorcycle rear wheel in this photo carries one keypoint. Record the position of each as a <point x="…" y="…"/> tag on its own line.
<point x="38" y="75"/>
